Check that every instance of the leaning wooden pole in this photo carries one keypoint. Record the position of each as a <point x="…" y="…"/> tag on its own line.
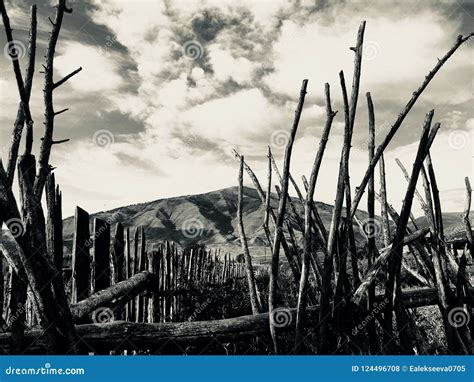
<point x="386" y="232"/>
<point x="401" y="117"/>
<point x="371" y="329"/>
<point x="439" y="252"/>
<point x="13" y="52"/>
<point x="392" y="286"/>
<point x="301" y="307"/>
<point x="466" y="220"/>
<point x="20" y="116"/>
<point x="281" y="216"/>
<point x="244" y="244"/>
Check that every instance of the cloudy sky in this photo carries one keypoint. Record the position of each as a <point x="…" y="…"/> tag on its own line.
<point x="169" y="88"/>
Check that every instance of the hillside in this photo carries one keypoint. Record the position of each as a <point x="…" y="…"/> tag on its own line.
<point x="209" y="219"/>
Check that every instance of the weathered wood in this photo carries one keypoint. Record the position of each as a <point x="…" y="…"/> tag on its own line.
<point x="101" y="255"/>
<point x="140" y="266"/>
<point x="401" y="117"/>
<point x="58" y="255"/>
<point x="103" y="337"/>
<point x="118" y="259"/>
<point x="118" y="251"/>
<point x="128" y="288"/>
<point x="371" y="329"/>
<point x="54" y="224"/>
<point x="45" y="280"/>
<point x="243" y="241"/>
<point x="49" y="114"/>
<point x="379" y="262"/>
<point x="13" y="53"/>
<point x="262" y="197"/>
<point x="423" y="204"/>
<point x="392" y="286"/>
<point x="20" y="116"/>
<point x="466" y="220"/>
<point x="128" y="273"/>
<point x="440" y="250"/>
<point x="81" y="259"/>
<point x="342" y="183"/>
<point x="294" y="211"/>
<point x="387" y="236"/>
<point x="308" y="206"/>
<point x="17" y="309"/>
<point x="281" y="215"/>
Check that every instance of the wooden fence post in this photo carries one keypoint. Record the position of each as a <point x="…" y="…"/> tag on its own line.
<point x="81" y="261"/>
<point x="127" y="269"/>
<point x="119" y="260"/>
<point x="101" y="255"/>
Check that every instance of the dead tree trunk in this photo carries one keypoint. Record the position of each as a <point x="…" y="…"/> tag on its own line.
<point x="20" y="116"/>
<point x="49" y="86"/>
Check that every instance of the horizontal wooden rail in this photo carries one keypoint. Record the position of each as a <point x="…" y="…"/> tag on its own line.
<point x="128" y="288"/>
<point x="103" y="338"/>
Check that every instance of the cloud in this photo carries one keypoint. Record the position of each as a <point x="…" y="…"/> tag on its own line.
<point x="226" y="67"/>
<point x="176" y="113"/>
<point x="391" y="53"/>
<point x="100" y="73"/>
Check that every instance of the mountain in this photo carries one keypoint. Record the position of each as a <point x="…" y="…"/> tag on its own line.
<point x="209" y="219"/>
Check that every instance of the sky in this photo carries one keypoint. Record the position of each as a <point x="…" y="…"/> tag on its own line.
<point x="169" y="88"/>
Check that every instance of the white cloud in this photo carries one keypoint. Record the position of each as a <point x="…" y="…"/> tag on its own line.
<point x="217" y="118"/>
<point x="178" y="96"/>
<point x="99" y="72"/>
<point x="396" y="49"/>
<point x="227" y="67"/>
